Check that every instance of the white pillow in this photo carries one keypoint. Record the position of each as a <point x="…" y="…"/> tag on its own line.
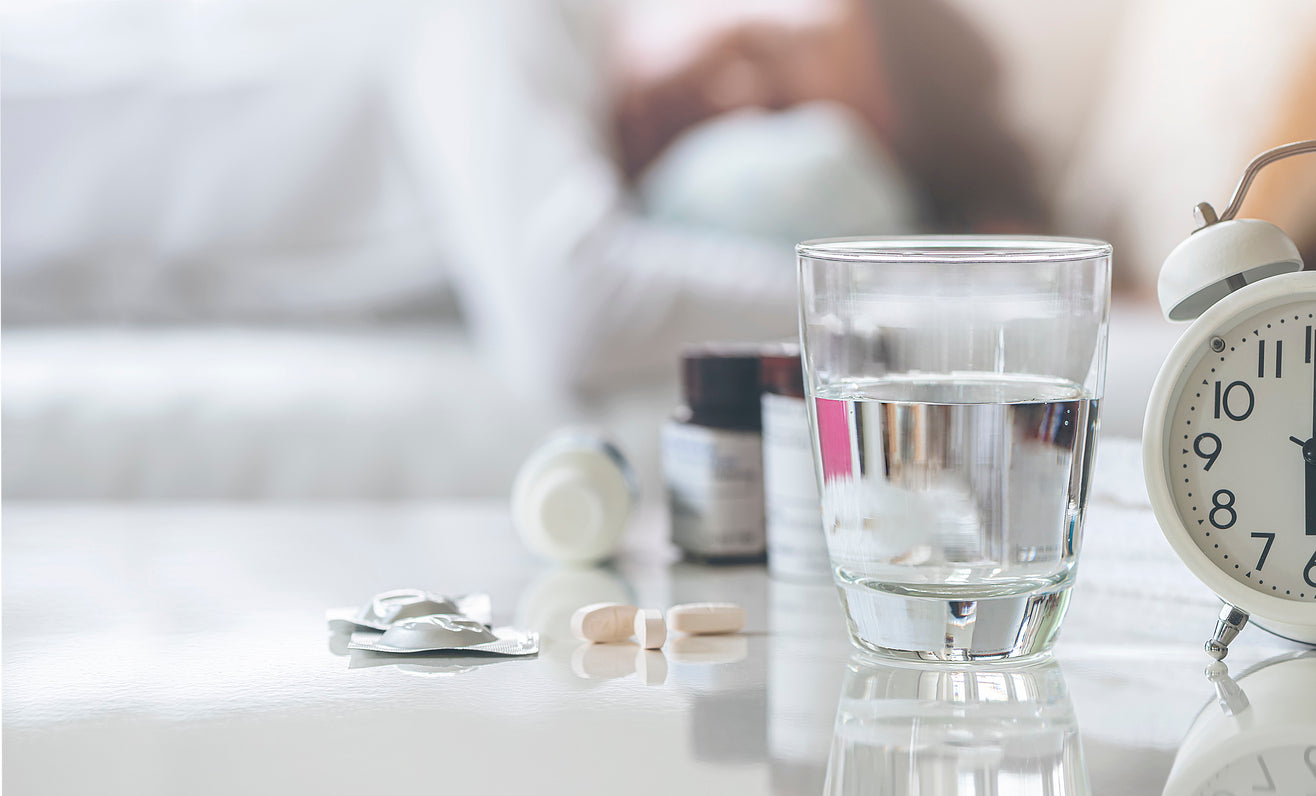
<point x="808" y="172"/>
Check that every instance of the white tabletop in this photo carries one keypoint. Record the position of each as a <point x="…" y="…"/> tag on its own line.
<point x="183" y="648"/>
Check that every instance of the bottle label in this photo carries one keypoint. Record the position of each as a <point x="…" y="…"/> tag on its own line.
<point x="714" y="489"/>
<point x="796" y="544"/>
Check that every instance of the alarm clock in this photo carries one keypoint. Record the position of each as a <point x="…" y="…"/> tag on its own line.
<point x="1259" y="736"/>
<point x="1229" y="440"/>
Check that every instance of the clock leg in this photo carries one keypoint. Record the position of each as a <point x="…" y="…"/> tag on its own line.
<point x="1231" y="621"/>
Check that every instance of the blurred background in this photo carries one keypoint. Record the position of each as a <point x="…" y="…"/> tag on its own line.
<point x="345" y="249"/>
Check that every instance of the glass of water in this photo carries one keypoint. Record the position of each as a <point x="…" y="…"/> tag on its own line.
<point x="954" y="385"/>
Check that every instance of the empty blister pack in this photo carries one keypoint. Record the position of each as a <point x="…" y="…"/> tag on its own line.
<point x="387" y="608"/>
<point x="446" y="633"/>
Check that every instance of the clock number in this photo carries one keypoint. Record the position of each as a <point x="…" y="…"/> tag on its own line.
<point x="1218" y="500"/>
<point x="1269" y="787"/>
<point x="1209" y="455"/>
<point x="1309" y="757"/>
<point x="1306" y="573"/>
<point x="1261" y="358"/>
<point x="1222" y="400"/>
<point x="1265" y="551"/>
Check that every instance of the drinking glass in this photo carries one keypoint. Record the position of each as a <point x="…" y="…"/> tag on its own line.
<point x="954" y="385"/>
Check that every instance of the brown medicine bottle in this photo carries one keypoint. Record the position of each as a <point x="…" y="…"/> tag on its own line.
<point x="712" y="452"/>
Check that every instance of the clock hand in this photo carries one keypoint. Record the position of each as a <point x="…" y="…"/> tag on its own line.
<point x="1309" y="455"/>
<point x="1298" y="441"/>
<point x="1311" y="493"/>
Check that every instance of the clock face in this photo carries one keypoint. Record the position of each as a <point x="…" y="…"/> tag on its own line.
<point x="1283" y="769"/>
<point x="1241" y="460"/>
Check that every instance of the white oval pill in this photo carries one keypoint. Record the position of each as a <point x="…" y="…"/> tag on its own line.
<point x="706" y="619"/>
<point x="650" y="629"/>
<point x="603" y="622"/>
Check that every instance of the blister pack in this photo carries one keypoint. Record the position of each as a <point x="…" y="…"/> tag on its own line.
<point x="387" y="608"/>
<point x="446" y="633"/>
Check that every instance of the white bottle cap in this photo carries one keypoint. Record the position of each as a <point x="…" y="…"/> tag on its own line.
<point x="572" y="499"/>
<point x="566" y="507"/>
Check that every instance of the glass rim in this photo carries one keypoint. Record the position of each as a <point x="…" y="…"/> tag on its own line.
<point x="955" y="249"/>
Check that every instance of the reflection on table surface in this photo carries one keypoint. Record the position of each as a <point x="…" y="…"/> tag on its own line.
<point x="1258" y="737"/>
<point x="903" y="730"/>
<point x="184" y="647"/>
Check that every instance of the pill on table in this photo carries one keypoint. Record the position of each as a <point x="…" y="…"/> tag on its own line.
<point x="706" y="619"/>
<point x="603" y="622"/>
<point x="650" y="629"/>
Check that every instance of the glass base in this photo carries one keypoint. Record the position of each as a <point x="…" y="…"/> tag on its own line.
<point x="1012" y="628"/>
